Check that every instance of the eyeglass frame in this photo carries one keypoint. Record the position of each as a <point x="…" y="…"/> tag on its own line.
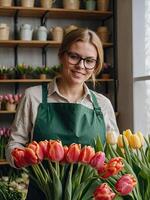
<point x="81" y="58"/>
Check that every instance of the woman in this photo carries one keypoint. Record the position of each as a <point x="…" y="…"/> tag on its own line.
<point x="66" y="109"/>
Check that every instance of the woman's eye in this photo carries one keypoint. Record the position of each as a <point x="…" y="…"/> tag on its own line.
<point x="75" y="57"/>
<point x="90" y="61"/>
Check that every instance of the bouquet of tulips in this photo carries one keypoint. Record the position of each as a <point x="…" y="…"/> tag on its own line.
<point x="135" y="151"/>
<point x="74" y="172"/>
<point x="4" y="135"/>
<point x="12" y="98"/>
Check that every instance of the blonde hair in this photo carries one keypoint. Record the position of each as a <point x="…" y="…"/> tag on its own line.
<point x="84" y="35"/>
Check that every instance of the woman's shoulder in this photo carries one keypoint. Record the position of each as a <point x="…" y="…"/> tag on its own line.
<point x="33" y="89"/>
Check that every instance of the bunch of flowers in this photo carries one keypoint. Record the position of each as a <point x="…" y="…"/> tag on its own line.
<point x="5" y="71"/>
<point x="74" y="173"/>
<point x="23" y="70"/>
<point x="12" y="98"/>
<point x="135" y="150"/>
<point x="4" y="135"/>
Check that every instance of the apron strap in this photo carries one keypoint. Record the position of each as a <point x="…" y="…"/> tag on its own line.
<point x="97" y="108"/>
<point x="44" y="93"/>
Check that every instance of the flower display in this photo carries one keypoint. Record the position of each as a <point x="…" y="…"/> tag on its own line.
<point x="73" y="172"/>
<point x="12" y="98"/>
<point x="135" y="152"/>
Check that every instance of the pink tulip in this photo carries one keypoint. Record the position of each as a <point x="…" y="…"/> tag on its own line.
<point x="125" y="184"/>
<point x="98" y="160"/>
<point x="43" y="146"/>
<point x="19" y="159"/>
<point x="104" y="192"/>
<point x="55" y="150"/>
<point x="87" y="153"/>
<point x="72" y="155"/>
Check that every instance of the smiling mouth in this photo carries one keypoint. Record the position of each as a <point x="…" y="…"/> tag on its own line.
<point x="77" y="72"/>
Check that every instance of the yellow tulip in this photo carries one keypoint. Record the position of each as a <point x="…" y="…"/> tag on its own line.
<point x="135" y="141"/>
<point x="120" y="141"/>
<point x="127" y="133"/>
<point x="111" y="138"/>
<point x="139" y="133"/>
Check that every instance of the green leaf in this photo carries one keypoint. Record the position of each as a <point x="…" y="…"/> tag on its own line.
<point x="98" y="144"/>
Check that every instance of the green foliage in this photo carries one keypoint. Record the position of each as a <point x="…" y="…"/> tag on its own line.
<point x="5" y="70"/>
<point x="23" y="69"/>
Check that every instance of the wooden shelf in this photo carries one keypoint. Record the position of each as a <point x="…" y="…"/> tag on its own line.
<point x="3" y="162"/>
<point x="54" y="13"/>
<point x="46" y="80"/>
<point x="36" y="43"/>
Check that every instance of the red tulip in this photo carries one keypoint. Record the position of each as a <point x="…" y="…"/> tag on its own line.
<point x="55" y="150"/>
<point x="115" y="165"/>
<point x="39" y="154"/>
<point x="87" y="153"/>
<point x="98" y="160"/>
<point x="43" y="146"/>
<point x="125" y="184"/>
<point x="18" y="156"/>
<point x="65" y="152"/>
<point x="104" y="192"/>
<point x="72" y="155"/>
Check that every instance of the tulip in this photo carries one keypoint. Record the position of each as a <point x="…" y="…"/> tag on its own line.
<point x="18" y="156"/>
<point x="125" y="184"/>
<point x="135" y="141"/>
<point x="139" y="133"/>
<point x="37" y="150"/>
<point x="65" y="152"/>
<point x="55" y="150"/>
<point x="87" y="152"/>
<point x="122" y="138"/>
<point x="72" y="155"/>
<point x="98" y="160"/>
<point x="103" y="172"/>
<point x="111" y="138"/>
<point x="115" y="165"/>
<point x="127" y="133"/>
<point x="104" y="192"/>
<point x="43" y="146"/>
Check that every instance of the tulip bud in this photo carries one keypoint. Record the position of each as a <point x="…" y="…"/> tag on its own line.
<point x="125" y="184"/>
<point x="55" y="150"/>
<point x="18" y="156"/>
<point x="135" y="141"/>
<point x="127" y="133"/>
<point x="122" y="138"/>
<point x="104" y="192"/>
<point x="86" y="154"/>
<point x="139" y="133"/>
<point x="111" y="138"/>
<point x="98" y="160"/>
<point x="72" y="155"/>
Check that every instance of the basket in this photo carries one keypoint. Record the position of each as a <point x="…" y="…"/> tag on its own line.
<point x="27" y="3"/>
<point x="6" y="3"/>
<point x="4" y="32"/>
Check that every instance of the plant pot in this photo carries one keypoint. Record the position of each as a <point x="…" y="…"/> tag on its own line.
<point x="6" y="3"/>
<point x="102" y="5"/>
<point x="71" y="4"/>
<point x="43" y="76"/>
<point x="4" y="32"/>
<point x="10" y="106"/>
<point x="90" y="4"/>
<point x="3" y="76"/>
<point x="105" y="76"/>
<point x="103" y="33"/>
<point x="46" y="3"/>
<point x="27" y="3"/>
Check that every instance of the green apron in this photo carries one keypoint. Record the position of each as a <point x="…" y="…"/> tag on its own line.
<point x="68" y="122"/>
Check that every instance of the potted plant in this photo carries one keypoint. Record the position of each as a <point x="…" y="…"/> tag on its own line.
<point x="23" y="71"/>
<point x="42" y="72"/>
<point x="5" y="72"/>
<point x="55" y="71"/>
<point x="11" y="101"/>
<point x="90" y="4"/>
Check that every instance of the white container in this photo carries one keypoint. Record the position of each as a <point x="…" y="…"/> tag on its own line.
<point x="10" y="106"/>
<point x="41" y="33"/>
<point x="6" y="3"/>
<point x="46" y="3"/>
<point x="4" y="32"/>
<point x="71" y="4"/>
<point x="27" y="3"/>
<point x="26" y="32"/>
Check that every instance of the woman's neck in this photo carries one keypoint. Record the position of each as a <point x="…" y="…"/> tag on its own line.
<point x="72" y="93"/>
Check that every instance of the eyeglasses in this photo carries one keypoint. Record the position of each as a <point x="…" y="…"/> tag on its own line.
<point x="75" y="59"/>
